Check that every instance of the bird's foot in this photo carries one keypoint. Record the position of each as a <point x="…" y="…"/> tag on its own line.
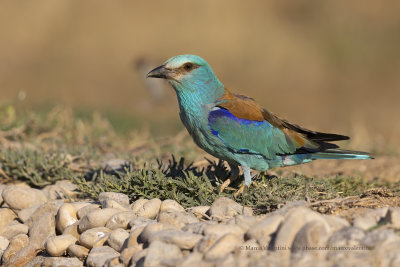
<point x="239" y="191"/>
<point x="224" y="185"/>
<point x="232" y="177"/>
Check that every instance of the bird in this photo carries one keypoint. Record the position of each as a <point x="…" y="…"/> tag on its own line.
<point x="235" y="128"/>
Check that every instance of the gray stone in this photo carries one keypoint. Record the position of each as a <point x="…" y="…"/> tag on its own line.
<point x="296" y="218"/>
<point x="49" y="208"/>
<point x="109" y="203"/>
<point x="244" y="222"/>
<point x="120" y="220"/>
<point x="99" y="255"/>
<point x="54" y="262"/>
<point x="72" y="230"/>
<point x="94" y="237"/>
<point x="16" y="244"/>
<point x="200" y="211"/>
<point x="86" y="209"/>
<point x="57" y="245"/>
<point x="25" y="214"/>
<point x="335" y="222"/>
<point x="179" y="238"/>
<point x="159" y="251"/>
<point x="177" y="218"/>
<point x="345" y="237"/>
<point x="205" y="243"/>
<point x="149" y="209"/>
<point x="223" y="229"/>
<point x="387" y="254"/>
<point x="225" y="208"/>
<point x="78" y="251"/>
<point x="127" y="254"/>
<point x="364" y="223"/>
<point x="378" y="237"/>
<point x="117" y="239"/>
<point x="133" y="237"/>
<point x="139" y="222"/>
<point x="66" y="216"/>
<point x="171" y="205"/>
<point x="264" y="229"/>
<point x="13" y="229"/>
<point x="223" y="246"/>
<point x="118" y="197"/>
<point x="96" y="218"/>
<point x="6" y="217"/>
<point x="198" y="227"/>
<point x="19" y="198"/>
<point x="42" y="228"/>
<point x="312" y="235"/>
<point x="393" y="217"/>
<point x="152" y="228"/>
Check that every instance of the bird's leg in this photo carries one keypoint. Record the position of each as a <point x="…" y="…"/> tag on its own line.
<point x="247" y="180"/>
<point x="232" y="177"/>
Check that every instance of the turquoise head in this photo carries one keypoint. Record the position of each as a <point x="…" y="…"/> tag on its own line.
<point x="191" y="77"/>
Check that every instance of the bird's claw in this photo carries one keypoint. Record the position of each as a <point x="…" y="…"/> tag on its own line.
<point x="224" y="185"/>
<point x="239" y="191"/>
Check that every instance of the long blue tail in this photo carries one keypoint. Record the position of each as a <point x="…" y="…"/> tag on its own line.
<point x="341" y="154"/>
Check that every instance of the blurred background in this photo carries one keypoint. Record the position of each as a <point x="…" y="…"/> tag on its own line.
<point x="327" y="65"/>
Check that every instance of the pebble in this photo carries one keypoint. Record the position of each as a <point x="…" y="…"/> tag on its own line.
<point x="99" y="255"/>
<point x="200" y="211"/>
<point x="223" y="246"/>
<point x="72" y="230"/>
<point x="364" y="223"/>
<point x="295" y="219"/>
<point x="13" y="229"/>
<point x="139" y="222"/>
<point x="378" y="237"/>
<point x="244" y="222"/>
<point x="205" y="243"/>
<point x="54" y="262"/>
<point x="170" y="205"/>
<point x="42" y="228"/>
<point x="78" y="251"/>
<point x="225" y="208"/>
<point x="222" y="229"/>
<point x="336" y="223"/>
<point x="264" y="229"/>
<point x="16" y="244"/>
<point x="120" y="198"/>
<point x="94" y="237"/>
<point x="96" y="218"/>
<point x="86" y="209"/>
<point x="149" y="209"/>
<point x="312" y="234"/>
<point x="19" y="198"/>
<point x="109" y="203"/>
<point x="66" y="216"/>
<point x="393" y="217"/>
<point x="177" y="218"/>
<point x="25" y="214"/>
<point x="3" y="244"/>
<point x="6" y="217"/>
<point x="152" y="228"/>
<point x="57" y="245"/>
<point x="120" y="220"/>
<point x="133" y="237"/>
<point x="179" y="238"/>
<point x="117" y="239"/>
<point x="127" y="253"/>
<point x="158" y="252"/>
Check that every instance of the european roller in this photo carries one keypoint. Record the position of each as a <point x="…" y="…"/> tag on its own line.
<point x="234" y="128"/>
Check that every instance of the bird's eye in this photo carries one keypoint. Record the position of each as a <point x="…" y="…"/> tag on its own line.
<point x="188" y="66"/>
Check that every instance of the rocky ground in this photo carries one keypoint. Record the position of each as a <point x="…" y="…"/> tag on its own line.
<point x="49" y="227"/>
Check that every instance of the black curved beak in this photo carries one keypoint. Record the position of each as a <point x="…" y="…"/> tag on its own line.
<point x="159" y="72"/>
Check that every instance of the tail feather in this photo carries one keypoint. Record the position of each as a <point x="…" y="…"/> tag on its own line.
<point x="341" y="154"/>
